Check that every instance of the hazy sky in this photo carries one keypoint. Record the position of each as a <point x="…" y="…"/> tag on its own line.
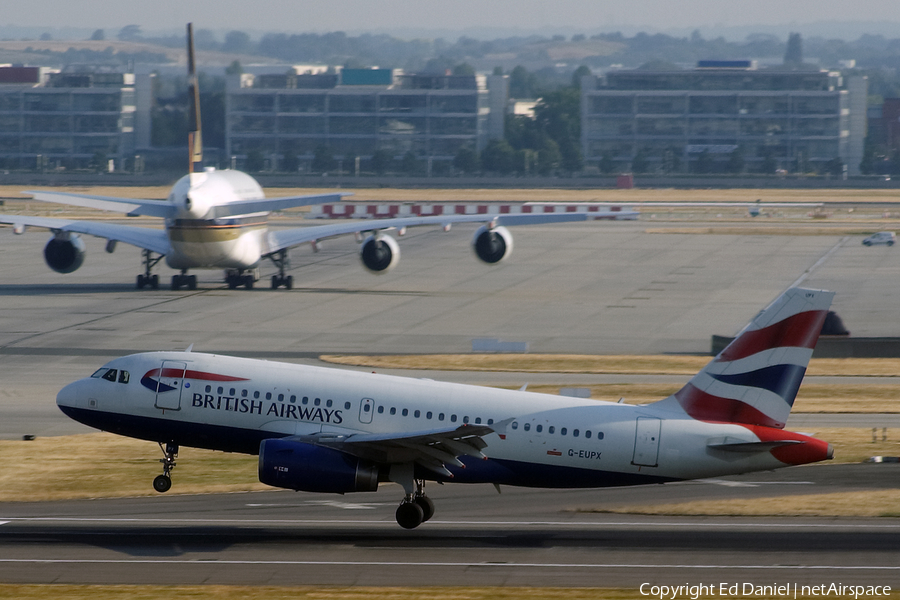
<point x="356" y="15"/>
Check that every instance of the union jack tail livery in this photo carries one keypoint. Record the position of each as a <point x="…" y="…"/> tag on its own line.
<point x="755" y="379"/>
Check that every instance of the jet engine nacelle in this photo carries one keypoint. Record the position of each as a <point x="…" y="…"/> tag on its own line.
<point x="64" y="252"/>
<point x="379" y="253"/>
<point x="492" y="244"/>
<point x="308" y="468"/>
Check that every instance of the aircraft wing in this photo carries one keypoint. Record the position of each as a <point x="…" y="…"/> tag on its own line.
<point x="286" y="238"/>
<point x="431" y="448"/>
<point x="154" y="240"/>
<point x="247" y="207"/>
<point x="129" y="206"/>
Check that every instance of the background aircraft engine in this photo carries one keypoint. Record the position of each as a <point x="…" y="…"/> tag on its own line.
<point x="64" y="252"/>
<point x="379" y="253"/>
<point x="492" y="245"/>
<point x="305" y="467"/>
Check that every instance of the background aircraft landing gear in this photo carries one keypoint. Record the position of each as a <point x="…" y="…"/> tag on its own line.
<point x="147" y="278"/>
<point x="162" y="483"/>
<point x="236" y="278"/>
<point x="184" y="280"/>
<point x="281" y="260"/>
<point x="416" y="508"/>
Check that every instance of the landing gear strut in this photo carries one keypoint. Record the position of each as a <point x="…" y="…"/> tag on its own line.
<point x="416" y="507"/>
<point x="146" y="278"/>
<point x="184" y="280"/>
<point x="282" y="262"/>
<point x="162" y="483"/>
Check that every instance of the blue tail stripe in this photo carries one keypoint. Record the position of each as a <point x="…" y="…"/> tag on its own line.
<point x="783" y="380"/>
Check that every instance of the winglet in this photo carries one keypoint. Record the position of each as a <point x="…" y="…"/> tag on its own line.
<point x="195" y="137"/>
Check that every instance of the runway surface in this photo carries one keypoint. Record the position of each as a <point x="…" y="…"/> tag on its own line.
<point x="521" y="537"/>
<point x="597" y="288"/>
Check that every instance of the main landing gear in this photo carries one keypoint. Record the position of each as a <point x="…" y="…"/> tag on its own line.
<point x="416" y="507"/>
<point x="236" y="278"/>
<point x="162" y="483"/>
<point x="184" y="280"/>
<point x="146" y="278"/>
<point x="282" y="262"/>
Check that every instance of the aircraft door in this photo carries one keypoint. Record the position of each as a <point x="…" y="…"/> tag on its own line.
<point x="646" y="442"/>
<point x="366" y="410"/>
<point x="169" y="385"/>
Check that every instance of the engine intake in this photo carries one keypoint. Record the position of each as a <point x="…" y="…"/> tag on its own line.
<point x="379" y="253"/>
<point x="64" y="252"/>
<point x="492" y="245"/>
<point x="309" y="468"/>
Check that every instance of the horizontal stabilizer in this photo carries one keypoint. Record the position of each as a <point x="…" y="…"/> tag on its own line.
<point x="130" y="206"/>
<point x="751" y="446"/>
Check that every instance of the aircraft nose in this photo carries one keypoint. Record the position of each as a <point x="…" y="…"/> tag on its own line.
<point x="71" y="396"/>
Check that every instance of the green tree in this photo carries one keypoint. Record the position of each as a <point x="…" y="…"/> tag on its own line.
<point x="234" y="68"/>
<point x="323" y="160"/>
<point x="98" y="35"/>
<point x="558" y="114"/>
<point x="548" y="157"/>
<point x="522" y="84"/>
<point x="237" y="42"/>
<point x="580" y="72"/>
<point x="464" y="69"/>
<point x="499" y="157"/>
<point x="466" y="160"/>
<point x="130" y="33"/>
<point x="381" y="160"/>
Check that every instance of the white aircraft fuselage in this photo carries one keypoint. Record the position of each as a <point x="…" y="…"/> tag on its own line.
<point x="540" y="440"/>
<point x="197" y="241"/>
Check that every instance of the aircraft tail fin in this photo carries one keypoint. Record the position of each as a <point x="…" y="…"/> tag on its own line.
<point x="195" y="137"/>
<point x="755" y="379"/>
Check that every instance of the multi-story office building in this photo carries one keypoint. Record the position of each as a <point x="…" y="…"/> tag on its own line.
<point x="358" y="111"/>
<point x="70" y="119"/>
<point x="722" y="115"/>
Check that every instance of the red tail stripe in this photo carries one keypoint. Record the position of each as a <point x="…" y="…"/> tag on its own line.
<point x="811" y="450"/>
<point x="706" y="407"/>
<point x="799" y="331"/>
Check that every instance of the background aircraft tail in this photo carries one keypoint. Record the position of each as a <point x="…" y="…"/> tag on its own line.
<point x="195" y="138"/>
<point x="755" y="379"/>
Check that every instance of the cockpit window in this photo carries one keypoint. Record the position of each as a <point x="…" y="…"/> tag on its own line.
<point x="124" y="376"/>
<point x="110" y="375"/>
<point x="99" y="373"/>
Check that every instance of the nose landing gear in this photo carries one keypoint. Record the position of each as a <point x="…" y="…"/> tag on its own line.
<point x="163" y="483"/>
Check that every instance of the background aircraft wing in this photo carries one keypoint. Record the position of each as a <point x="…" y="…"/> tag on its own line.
<point x="154" y="240"/>
<point x="247" y="207"/>
<point x="431" y="448"/>
<point x="130" y="206"/>
<point x="286" y="238"/>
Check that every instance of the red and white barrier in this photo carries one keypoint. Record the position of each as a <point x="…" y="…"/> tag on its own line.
<point x="359" y="210"/>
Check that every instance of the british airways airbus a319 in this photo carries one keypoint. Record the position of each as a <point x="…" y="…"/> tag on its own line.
<point x="336" y="431"/>
<point x="218" y="220"/>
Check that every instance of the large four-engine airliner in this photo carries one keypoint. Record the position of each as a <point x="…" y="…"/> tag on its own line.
<point x="331" y="430"/>
<point x="218" y="220"/>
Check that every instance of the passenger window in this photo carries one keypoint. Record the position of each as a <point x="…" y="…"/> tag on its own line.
<point x="366" y="408"/>
<point x="231" y="392"/>
<point x="527" y="427"/>
<point x="124" y="376"/>
<point x="562" y="431"/>
<point x="393" y="411"/>
<point x="208" y="389"/>
<point x="574" y="433"/>
<point x="268" y="395"/>
<point x="244" y="393"/>
<point x="405" y="412"/>
<point x="551" y="429"/>
<point x="453" y="418"/>
<point x="318" y="401"/>
<point x="346" y="405"/>
<point x="428" y="415"/>
<point x="490" y="422"/>
<point x="539" y="428"/>
<point x="221" y="390"/>
<point x="466" y="420"/>
<point x="293" y="399"/>
<point x="587" y="434"/>
<point x="111" y="375"/>
<point x="478" y="420"/>
<point x="305" y="400"/>
<point x="417" y="414"/>
<point x="441" y="417"/>
<point x="328" y="404"/>
<point x="515" y="425"/>
<point x="255" y="394"/>
<point x="599" y="435"/>
<point x="380" y="410"/>
<point x="281" y="397"/>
